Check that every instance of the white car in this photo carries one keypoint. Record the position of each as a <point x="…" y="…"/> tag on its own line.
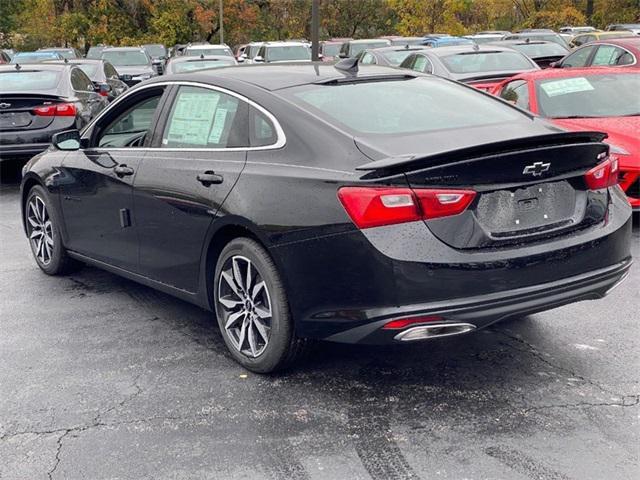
<point x="278" y="52"/>
<point x="207" y="50"/>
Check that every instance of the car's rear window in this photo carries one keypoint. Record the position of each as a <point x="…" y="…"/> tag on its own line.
<point x="27" y="80"/>
<point x="180" y="67"/>
<point x="89" y="68"/>
<point x="196" y="52"/>
<point x="356" y="48"/>
<point x="125" y="58"/>
<point x="293" y="52"/>
<point x="478" y="62"/>
<point x="541" y="49"/>
<point x="397" y="107"/>
<point x="585" y="96"/>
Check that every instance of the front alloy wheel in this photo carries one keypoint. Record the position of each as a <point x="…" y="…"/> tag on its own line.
<point x="246" y="306"/>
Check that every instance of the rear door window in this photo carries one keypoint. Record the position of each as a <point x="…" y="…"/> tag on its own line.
<point x="80" y="82"/>
<point x="609" y="55"/>
<point x="205" y="118"/>
<point x="422" y="64"/>
<point x="263" y="132"/>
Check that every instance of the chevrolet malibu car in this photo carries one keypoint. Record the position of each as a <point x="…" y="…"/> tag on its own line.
<point x="481" y="66"/>
<point x="586" y="99"/>
<point x="306" y="202"/>
<point x="132" y="63"/>
<point x="39" y="100"/>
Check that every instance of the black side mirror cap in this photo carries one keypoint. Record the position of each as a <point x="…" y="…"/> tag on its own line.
<point x="67" y="140"/>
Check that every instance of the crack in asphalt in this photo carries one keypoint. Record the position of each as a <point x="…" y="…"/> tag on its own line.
<point x="533" y="351"/>
<point x="635" y="400"/>
<point x="58" y="451"/>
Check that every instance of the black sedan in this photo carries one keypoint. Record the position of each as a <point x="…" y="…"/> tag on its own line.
<point x="103" y="75"/>
<point x="311" y="202"/>
<point x="39" y="100"/>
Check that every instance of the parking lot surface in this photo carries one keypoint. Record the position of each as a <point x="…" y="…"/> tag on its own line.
<point x="101" y="378"/>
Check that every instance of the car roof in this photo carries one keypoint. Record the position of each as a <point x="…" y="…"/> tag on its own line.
<point x="572" y="72"/>
<point x="52" y="66"/>
<point x="123" y="49"/>
<point x="78" y="61"/>
<point x="522" y="42"/>
<point x="400" y="48"/>
<point x="368" y="40"/>
<point x="454" y="49"/>
<point x="204" y="46"/>
<point x="184" y="58"/>
<point x="284" y="44"/>
<point x="55" y="49"/>
<point x="627" y="42"/>
<point x="285" y="75"/>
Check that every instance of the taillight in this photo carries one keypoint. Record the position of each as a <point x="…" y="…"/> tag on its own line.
<point x="56" y="110"/>
<point x="377" y="206"/>
<point x="603" y="175"/>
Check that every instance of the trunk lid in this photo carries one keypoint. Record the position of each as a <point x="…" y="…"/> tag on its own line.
<point x="527" y="188"/>
<point x="16" y="111"/>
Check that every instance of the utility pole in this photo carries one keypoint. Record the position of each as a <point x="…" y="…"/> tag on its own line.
<point x="315" y="30"/>
<point x="220" y="13"/>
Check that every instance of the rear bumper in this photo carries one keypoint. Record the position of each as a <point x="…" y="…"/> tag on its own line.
<point x="483" y="310"/>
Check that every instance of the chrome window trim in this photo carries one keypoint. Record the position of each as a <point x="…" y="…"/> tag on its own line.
<point x="280" y="142"/>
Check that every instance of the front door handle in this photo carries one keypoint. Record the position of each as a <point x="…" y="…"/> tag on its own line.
<point x="208" y="178"/>
<point x="123" y="170"/>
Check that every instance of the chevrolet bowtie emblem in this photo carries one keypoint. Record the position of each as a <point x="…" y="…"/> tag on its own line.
<point x="536" y="169"/>
<point x="5" y="105"/>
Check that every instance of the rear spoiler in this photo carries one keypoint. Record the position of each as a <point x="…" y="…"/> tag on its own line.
<point x="391" y="165"/>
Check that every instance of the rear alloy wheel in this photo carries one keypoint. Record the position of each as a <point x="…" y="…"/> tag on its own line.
<point x="252" y="309"/>
<point x="44" y="237"/>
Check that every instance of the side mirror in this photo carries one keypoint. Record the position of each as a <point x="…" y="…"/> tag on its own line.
<point x="342" y="55"/>
<point x="69" y="140"/>
<point x="241" y="58"/>
<point x="103" y="89"/>
<point x="258" y="59"/>
<point x="554" y="65"/>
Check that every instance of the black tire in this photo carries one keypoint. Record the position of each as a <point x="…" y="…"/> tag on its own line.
<point x="281" y="349"/>
<point x="51" y="258"/>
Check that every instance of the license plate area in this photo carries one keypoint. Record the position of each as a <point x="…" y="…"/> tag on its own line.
<point x="15" y="120"/>
<point x="528" y="210"/>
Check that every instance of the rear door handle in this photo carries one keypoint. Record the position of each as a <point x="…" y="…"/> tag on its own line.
<point x="208" y="178"/>
<point x="123" y="170"/>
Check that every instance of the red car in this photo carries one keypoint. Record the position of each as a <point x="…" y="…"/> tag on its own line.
<point x="616" y="52"/>
<point x="603" y="99"/>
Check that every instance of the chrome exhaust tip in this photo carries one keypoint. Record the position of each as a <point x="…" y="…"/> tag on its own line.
<point x="423" y="332"/>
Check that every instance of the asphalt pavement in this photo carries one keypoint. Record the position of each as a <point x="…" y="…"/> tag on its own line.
<point x="102" y="378"/>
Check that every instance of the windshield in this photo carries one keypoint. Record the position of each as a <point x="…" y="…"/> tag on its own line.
<point x="125" y="58"/>
<point x="552" y="37"/>
<point x="89" y="68"/>
<point x="190" y="66"/>
<point x="478" y="62"/>
<point x="589" y="96"/>
<point x="28" y="80"/>
<point x="396" y="58"/>
<point x="356" y="48"/>
<point x="541" y="49"/>
<point x="196" y="52"/>
<point x="331" y="49"/>
<point x="293" y="52"/>
<point x="29" y="57"/>
<point x="155" y="51"/>
<point x="252" y="51"/>
<point x="397" y="107"/>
